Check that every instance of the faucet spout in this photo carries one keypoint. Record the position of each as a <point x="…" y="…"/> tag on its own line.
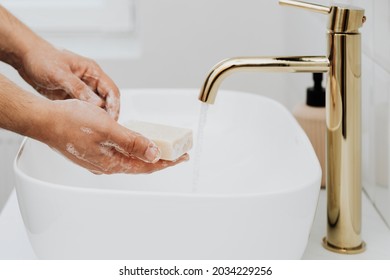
<point x="292" y="64"/>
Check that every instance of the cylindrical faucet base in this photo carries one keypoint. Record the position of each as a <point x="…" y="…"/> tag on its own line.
<point x="343" y="120"/>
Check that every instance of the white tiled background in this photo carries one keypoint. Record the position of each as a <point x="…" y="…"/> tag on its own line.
<point x="376" y="91"/>
<point x="180" y="40"/>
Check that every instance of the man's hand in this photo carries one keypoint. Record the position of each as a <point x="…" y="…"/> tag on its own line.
<point x="86" y="135"/>
<point x="60" y="74"/>
<point x="78" y="128"/>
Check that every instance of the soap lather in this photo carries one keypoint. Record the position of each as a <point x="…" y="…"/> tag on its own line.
<point x="172" y="141"/>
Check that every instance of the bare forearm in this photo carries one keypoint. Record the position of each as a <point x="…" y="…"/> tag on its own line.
<point x="82" y="132"/>
<point x="15" y="39"/>
<point x="22" y="112"/>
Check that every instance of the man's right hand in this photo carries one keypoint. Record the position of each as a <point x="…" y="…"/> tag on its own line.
<point x="88" y="136"/>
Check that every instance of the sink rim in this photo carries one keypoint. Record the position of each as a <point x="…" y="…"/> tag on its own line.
<point x="18" y="171"/>
<point x="91" y="189"/>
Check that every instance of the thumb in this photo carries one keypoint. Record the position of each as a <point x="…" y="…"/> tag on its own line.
<point x="134" y="144"/>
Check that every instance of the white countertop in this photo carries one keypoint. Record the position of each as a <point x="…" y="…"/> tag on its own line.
<point x="374" y="232"/>
<point x="14" y="243"/>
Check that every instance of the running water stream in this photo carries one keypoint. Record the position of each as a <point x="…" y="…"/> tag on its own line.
<point x="199" y="145"/>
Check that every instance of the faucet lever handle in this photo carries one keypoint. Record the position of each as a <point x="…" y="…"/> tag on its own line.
<point x="341" y="18"/>
<point x="307" y="6"/>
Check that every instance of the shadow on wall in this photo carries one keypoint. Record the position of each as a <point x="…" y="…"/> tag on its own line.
<point x="9" y="145"/>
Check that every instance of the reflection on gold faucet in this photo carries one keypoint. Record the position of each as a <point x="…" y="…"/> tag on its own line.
<point x="343" y="115"/>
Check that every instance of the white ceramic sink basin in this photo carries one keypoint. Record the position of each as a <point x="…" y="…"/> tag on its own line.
<point x="258" y="188"/>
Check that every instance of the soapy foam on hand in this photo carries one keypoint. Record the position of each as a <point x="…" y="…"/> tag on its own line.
<point x="86" y="130"/>
<point x="111" y="103"/>
<point x="173" y="142"/>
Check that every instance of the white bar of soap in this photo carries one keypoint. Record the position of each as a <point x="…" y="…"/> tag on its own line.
<point x="173" y="142"/>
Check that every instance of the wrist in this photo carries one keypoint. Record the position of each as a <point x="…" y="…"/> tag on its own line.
<point x="40" y="122"/>
<point x="23" y="48"/>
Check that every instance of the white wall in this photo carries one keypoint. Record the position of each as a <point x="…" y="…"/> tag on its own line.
<point x="305" y="34"/>
<point x="182" y="40"/>
<point x="376" y="92"/>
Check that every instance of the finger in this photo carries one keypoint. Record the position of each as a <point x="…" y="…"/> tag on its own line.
<point x="162" y="164"/>
<point x="79" y="90"/>
<point x="100" y="83"/>
<point x="134" y="166"/>
<point x="111" y="162"/>
<point x="112" y="105"/>
<point x="133" y="144"/>
<point x="58" y="94"/>
<point x="107" y="89"/>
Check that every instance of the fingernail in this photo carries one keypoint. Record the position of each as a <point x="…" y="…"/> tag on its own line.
<point x="153" y="153"/>
<point x="186" y="157"/>
<point x="182" y="158"/>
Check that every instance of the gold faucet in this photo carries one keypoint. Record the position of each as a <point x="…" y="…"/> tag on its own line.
<point x="343" y="115"/>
